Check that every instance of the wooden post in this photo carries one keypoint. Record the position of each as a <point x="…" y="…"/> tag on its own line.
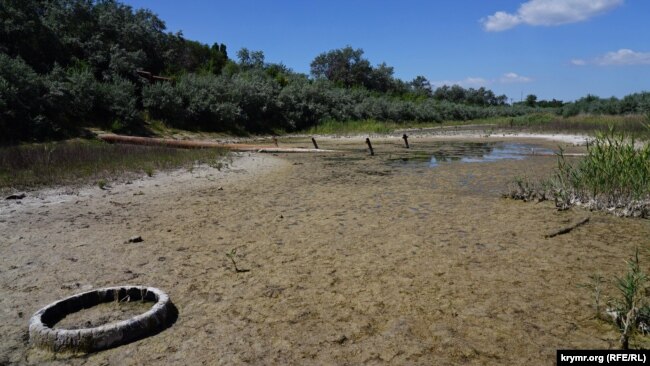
<point x="406" y="140"/>
<point x="372" y="152"/>
<point x="275" y="141"/>
<point x="313" y="140"/>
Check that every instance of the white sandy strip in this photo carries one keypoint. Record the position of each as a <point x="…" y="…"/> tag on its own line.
<point x="468" y="135"/>
<point x="569" y="139"/>
<point x="242" y="166"/>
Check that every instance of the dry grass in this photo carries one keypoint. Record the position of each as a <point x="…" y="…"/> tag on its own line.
<point x="86" y="161"/>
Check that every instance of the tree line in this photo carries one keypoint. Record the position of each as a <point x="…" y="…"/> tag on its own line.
<point x="70" y="64"/>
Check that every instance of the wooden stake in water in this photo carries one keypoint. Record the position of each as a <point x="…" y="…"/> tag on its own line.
<point x="406" y="140"/>
<point x="313" y="140"/>
<point x="372" y="152"/>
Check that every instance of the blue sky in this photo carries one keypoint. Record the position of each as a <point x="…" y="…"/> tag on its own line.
<point x="561" y="49"/>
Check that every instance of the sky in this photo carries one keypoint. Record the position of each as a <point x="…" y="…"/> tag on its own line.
<point x="563" y="49"/>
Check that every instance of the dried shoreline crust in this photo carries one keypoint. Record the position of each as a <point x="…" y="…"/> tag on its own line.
<point x="42" y="333"/>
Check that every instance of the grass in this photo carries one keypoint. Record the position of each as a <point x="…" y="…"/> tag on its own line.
<point x="348" y="127"/>
<point x="614" y="176"/>
<point x="585" y="123"/>
<point x="536" y="122"/>
<point x="633" y="302"/>
<point x="613" y="166"/>
<point x="81" y="161"/>
<point x="629" y="308"/>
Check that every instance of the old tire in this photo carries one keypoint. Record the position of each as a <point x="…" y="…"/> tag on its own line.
<point x="42" y="333"/>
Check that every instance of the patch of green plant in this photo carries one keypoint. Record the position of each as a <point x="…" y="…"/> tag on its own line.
<point x="583" y="123"/>
<point x="80" y="161"/>
<point x="614" y="175"/>
<point x="629" y="309"/>
<point x="614" y="166"/>
<point x="347" y="127"/>
<point x="101" y="183"/>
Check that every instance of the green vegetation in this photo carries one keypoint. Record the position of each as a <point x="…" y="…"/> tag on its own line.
<point x="614" y="176"/>
<point x="66" y="65"/>
<point x="629" y="309"/>
<point x="82" y="162"/>
<point x="633" y="305"/>
<point x="350" y="127"/>
<point x="613" y="167"/>
<point x="583" y="123"/>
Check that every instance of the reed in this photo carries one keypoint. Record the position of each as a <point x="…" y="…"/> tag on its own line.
<point x="614" y="176"/>
<point x="83" y="161"/>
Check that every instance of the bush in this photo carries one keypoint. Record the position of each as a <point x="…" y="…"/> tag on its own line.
<point x="21" y="115"/>
<point x="70" y="96"/>
<point x="116" y="104"/>
<point x="164" y="103"/>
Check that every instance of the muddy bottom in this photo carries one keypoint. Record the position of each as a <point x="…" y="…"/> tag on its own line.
<point x="352" y="259"/>
<point x="104" y="313"/>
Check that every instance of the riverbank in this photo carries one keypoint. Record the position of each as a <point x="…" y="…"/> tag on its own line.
<point x="352" y="259"/>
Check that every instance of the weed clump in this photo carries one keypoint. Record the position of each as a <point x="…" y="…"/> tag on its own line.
<point x="630" y="310"/>
<point x="614" y="177"/>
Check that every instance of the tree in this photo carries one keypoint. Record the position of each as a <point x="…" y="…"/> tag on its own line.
<point x="250" y="59"/>
<point x="421" y="86"/>
<point x="531" y="100"/>
<point x="345" y="67"/>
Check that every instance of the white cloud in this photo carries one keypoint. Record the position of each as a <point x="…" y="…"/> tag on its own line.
<point x="511" y="77"/>
<point x="622" y="57"/>
<point x="548" y="12"/>
<point x="500" y="21"/>
<point x="578" y="62"/>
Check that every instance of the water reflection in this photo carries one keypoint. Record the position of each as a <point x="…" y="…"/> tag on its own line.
<point x="475" y="152"/>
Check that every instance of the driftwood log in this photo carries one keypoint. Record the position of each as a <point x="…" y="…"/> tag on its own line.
<point x="197" y="144"/>
<point x="567" y="229"/>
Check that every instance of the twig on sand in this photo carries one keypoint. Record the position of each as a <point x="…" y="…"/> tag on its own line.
<point x="567" y="229"/>
<point x="231" y="255"/>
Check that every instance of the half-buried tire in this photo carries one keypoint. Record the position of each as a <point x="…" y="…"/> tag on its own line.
<point x="43" y="334"/>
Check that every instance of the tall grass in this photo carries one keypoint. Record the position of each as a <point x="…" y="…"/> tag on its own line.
<point x="614" y="176"/>
<point x="337" y="127"/>
<point x="584" y="123"/>
<point x="534" y="122"/>
<point x="83" y="161"/>
<point x="614" y="167"/>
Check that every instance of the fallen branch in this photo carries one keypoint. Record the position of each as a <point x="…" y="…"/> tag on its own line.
<point x="199" y="144"/>
<point x="567" y="229"/>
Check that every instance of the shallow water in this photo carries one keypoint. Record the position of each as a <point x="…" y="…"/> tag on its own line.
<point x="472" y="152"/>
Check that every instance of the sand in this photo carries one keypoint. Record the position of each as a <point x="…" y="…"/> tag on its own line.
<point x="352" y="260"/>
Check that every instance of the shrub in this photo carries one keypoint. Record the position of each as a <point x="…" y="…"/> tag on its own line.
<point x="116" y="101"/>
<point x="21" y="90"/>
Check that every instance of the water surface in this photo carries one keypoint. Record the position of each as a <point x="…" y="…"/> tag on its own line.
<point x="473" y="152"/>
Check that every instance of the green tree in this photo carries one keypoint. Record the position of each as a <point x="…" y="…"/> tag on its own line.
<point x="421" y="86"/>
<point x="250" y="59"/>
<point x="531" y="100"/>
<point x="345" y="67"/>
